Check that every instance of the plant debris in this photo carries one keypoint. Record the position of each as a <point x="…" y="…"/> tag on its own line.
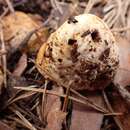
<point x="31" y="101"/>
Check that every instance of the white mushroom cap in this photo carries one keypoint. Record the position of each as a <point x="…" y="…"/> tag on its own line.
<point x="83" y="49"/>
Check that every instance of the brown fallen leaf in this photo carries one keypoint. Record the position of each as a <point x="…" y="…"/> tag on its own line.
<point x="53" y="113"/>
<point x="21" y="65"/>
<point x="122" y="77"/>
<point x="86" y="118"/>
<point x="55" y="119"/>
<point x="3" y="126"/>
<point x="15" y="30"/>
<point x="53" y="102"/>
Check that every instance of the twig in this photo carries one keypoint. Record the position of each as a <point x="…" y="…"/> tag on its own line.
<point x="61" y="95"/>
<point x="117" y="121"/>
<point x="26" y="111"/>
<point x="114" y="114"/>
<point x="43" y="100"/>
<point x="24" y="120"/>
<point x="55" y="5"/>
<point x="114" y="14"/>
<point x="109" y="8"/>
<point x="34" y="106"/>
<point x="91" y="103"/>
<point x="10" y="6"/>
<point x="13" y="99"/>
<point x="90" y="5"/>
<point x="118" y="13"/>
<point x="4" y="13"/>
<point x="3" y="56"/>
<point x="67" y="96"/>
<point x="120" y="29"/>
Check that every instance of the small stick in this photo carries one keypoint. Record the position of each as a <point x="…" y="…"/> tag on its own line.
<point x="91" y="103"/>
<point x="114" y="114"/>
<point x="23" y="119"/>
<point x="120" y="29"/>
<point x="56" y="5"/>
<point x="67" y="97"/>
<point x="89" y="5"/>
<point x="4" y="13"/>
<point x="61" y="95"/>
<point x="10" y="6"/>
<point x="3" y="56"/>
<point x="43" y="100"/>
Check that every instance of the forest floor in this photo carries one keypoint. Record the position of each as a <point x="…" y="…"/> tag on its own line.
<point x="28" y="101"/>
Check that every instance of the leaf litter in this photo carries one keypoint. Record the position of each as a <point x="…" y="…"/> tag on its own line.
<point x="37" y="104"/>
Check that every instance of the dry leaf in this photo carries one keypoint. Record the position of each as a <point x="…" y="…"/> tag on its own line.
<point x="55" y="116"/>
<point x="55" y="120"/>
<point x="3" y="126"/>
<point x="122" y="77"/>
<point x="86" y="118"/>
<point x="17" y="27"/>
<point x="53" y="102"/>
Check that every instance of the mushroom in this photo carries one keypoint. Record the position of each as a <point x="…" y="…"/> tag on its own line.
<point x="82" y="50"/>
